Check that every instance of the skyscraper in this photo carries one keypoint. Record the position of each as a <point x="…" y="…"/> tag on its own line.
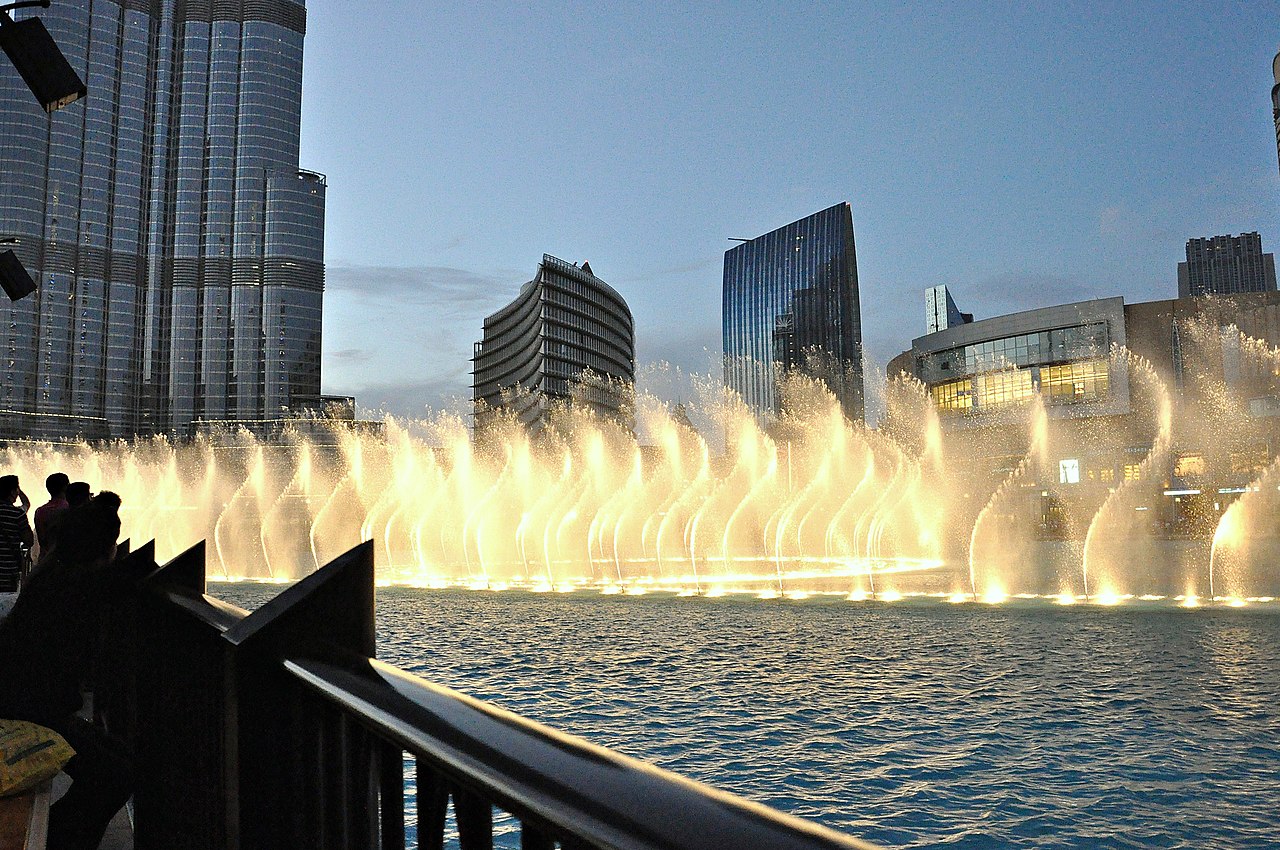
<point x="1223" y="265"/>
<point x="791" y="303"/>
<point x="564" y="323"/>
<point x="940" y="310"/>
<point x="178" y="247"/>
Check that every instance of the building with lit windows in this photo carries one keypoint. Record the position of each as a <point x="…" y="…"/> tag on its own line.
<point x="1102" y="410"/>
<point x="1225" y="265"/>
<point x="567" y="335"/>
<point x="791" y="304"/>
<point x="177" y="246"/>
<point x="1061" y="352"/>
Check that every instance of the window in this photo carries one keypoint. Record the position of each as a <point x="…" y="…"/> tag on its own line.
<point x="1086" y="380"/>
<point x="1133" y="472"/>
<point x="1069" y="471"/>
<point x="1190" y="464"/>
<point x="1250" y="460"/>
<point x="1002" y="389"/>
<point x="955" y="395"/>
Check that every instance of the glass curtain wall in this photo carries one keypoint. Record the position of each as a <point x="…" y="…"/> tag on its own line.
<point x="791" y="303"/>
<point x="177" y="245"/>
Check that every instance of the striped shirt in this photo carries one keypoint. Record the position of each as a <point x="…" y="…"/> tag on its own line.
<point x="14" y="528"/>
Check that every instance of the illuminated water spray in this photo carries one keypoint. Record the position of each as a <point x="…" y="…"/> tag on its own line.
<point x="810" y="503"/>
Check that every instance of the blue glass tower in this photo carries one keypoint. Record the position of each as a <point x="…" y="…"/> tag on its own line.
<point x="178" y="247"/>
<point x="791" y="304"/>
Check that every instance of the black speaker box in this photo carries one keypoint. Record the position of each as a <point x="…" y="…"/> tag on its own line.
<point x="14" y="278"/>
<point x="36" y="56"/>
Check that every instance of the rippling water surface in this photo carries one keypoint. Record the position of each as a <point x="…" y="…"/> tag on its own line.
<point x="912" y="725"/>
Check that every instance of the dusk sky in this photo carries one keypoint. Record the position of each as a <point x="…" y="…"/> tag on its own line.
<point x="1022" y="154"/>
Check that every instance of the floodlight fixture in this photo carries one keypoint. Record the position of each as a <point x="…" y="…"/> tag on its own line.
<point x="36" y="56"/>
<point x="14" y="279"/>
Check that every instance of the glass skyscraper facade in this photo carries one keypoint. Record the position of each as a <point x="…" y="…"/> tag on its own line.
<point x="791" y="303"/>
<point x="564" y="324"/>
<point x="178" y="247"/>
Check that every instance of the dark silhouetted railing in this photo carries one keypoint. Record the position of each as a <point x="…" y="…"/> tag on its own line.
<point x="278" y="729"/>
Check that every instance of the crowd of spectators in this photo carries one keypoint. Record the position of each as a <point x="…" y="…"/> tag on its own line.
<point x="66" y="578"/>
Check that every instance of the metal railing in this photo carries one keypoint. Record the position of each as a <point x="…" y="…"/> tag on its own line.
<point x="278" y="729"/>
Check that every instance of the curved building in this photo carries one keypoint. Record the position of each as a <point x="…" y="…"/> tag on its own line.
<point x="1275" y="99"/>
<point x="568" y="334"/>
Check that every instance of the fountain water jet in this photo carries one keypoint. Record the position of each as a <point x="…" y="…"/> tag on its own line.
<point x="997" y="545"/>
<point x="805" y="503"/>
<point x="1113" y="534"/>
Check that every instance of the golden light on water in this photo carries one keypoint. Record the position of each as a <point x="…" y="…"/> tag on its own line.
<point x="995" y="596"/>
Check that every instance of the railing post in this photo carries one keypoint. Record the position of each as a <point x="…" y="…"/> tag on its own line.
<point x="474" y="815"/>
<point x="391" y="796"/>
<point x="433" y="807"/>
<point x="185" y="719"/>
<point x="326" y="614"/>
<point x="115" y="681"/>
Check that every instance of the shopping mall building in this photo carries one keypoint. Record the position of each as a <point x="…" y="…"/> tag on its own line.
<point x="1210" y="357"/>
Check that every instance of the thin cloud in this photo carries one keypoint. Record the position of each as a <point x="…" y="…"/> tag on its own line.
<point x="685" y="268"/>
<point x="419" y="285"/>
<point x="400" y="338"/>
<point x="352" y="355"/>
<point x="1012" y="292"/>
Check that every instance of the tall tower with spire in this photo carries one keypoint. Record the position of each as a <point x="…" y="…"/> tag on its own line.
<point x="178" y="246"/>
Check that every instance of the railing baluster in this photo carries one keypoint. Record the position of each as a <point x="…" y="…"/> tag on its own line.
<point x="361" y="796"/>
<point x="391" y="795"/>
<point x="336" y="808"/>
<point x="532" y="838"/>
<point x="433" y="807"/>
<point x="475" y="820"/>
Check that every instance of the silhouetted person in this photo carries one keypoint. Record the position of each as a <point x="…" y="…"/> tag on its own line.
<point x="56" y="484"/>
<point x="78" y="493"/>
<point x="49" y="643"/>
<point x="15" y="533"/>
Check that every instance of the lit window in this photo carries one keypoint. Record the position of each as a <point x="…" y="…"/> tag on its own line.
<point x="1084" y="380"/>
<point x="1192" y="464"/>
<point x="1001" y="389"/>
<point x="1069" y="471"/>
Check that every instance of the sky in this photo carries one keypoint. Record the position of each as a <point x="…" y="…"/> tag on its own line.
<point x="1023" y="154"/>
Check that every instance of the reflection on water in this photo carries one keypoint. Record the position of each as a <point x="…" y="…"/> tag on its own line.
<point x="912" y="724"/>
